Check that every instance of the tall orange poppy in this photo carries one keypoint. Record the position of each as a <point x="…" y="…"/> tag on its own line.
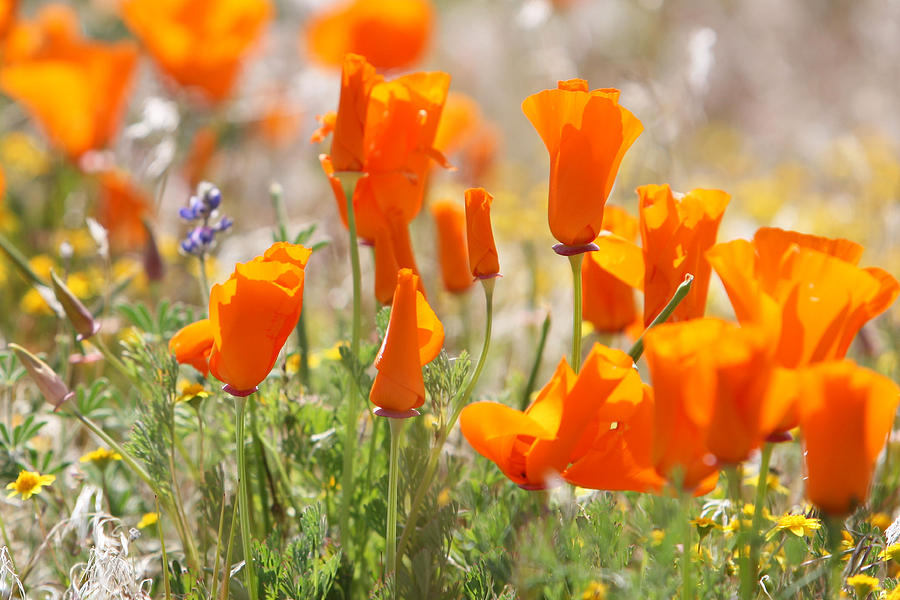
<point x="253" y="313"/>
<point x="76" y="89"/>
<point x="846" y="414"/>
<point x="200" y="44"/>
<point x="587" y="134"/>
<point x="807" y="290"/>
<point x="676" y="232"/>
<point x="389" y="33"/>
<point x="453" y="254"/>
<point x="608" y="302"/>
<point x="535" y="446"/>
<point x="414" y="338"/>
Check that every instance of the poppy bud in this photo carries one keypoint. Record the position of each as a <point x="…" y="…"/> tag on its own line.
<point x="54" y="389"/>
<point x="78" y="314"/>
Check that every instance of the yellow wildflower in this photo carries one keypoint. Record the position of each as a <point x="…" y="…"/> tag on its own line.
<point x="147" y="520"/>
<point x="29" y="483"/>
<point x="101" y="456"/>
<point x="42" y="264"/>
<point x="594" y="591"/>
<point x="863" y="585"/>
<point x="704" y="525"/>
<point x="189" y="391"/>
<point x="443" y="498"/>
<point x="657" y="536"/>
<point x="894" y="595"/>
<point x="892" y="552"/>
<point x="799" y="525"/>
<point x="880" y="520"/>
<point x="34" y="304"/>
<point x="20" y="152"/>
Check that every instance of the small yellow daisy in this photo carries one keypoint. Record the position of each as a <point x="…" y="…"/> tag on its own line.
<point x="880" y="520"/>
<point x="863" y="585"/>
<point x="892" y="552"/>
<point x="29" y="483"/>
<point x="147" y="520"/>
<point x="595" y="591"/>
<point x="796" y="524"/>
<point x="189" y="391"/>
<point x="101" y="456"/>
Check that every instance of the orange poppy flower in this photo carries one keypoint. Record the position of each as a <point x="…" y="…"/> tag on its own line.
<point x="806" y="290"/>
<point x="74" y="88"/>
<point x="8" y="10"/>
<point x="122" y="209"/>
<point x="393" y="251"/>
<point x="479" y="236"/>
<point x="587" y="135"/>
<point x="533" y="447"/>
<point x="199" y="43"/>
<point x="389" y="33"/>
<point x="608" y="302"/>
<point x="846" y="414"/>
<point x="253" y="313"/>
<point x="676" y="233"/>
<point x="414" y="338"/>
<point x="450" y="222"/>
<point x="192" y="345"/>
<point x="385" y="129"/>
<point x="619" y="456"/>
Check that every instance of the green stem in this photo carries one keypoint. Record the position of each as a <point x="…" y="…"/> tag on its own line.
<point x="434" y="457"/>
<point x="276" y="193"/>
<point x="244" y="506"/>
<point x="226" y="572"/>
<point x="165" y="559"/>
<point x="834" y="527"/>
<point x="733" y="473"/>
<point x="759" y="508"/>
<point x="536" y="365"/>
<point x="575" y="261"/>
<point x="204" y="279"/>
<point x="666" y="312"/>
<point x="687" y="575"/>
<point x="348" y="182"/>
<point x="390" y="562"/>
<point x="19" y="260"/>
<point x="218" y="555"/>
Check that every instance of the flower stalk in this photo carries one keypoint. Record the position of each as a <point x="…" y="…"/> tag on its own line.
<point x="244" y="506"/>
<point x="680" y="293"/>
<point x="575" y="261"/>
<point x="390" y="562"/>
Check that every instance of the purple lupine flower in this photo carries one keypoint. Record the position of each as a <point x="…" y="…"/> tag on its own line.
<point x="202" y="207"/>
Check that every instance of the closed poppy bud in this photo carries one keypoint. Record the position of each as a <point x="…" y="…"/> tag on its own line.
<point x="676" y="231"/>
<point x="358" y="77"/>
<point x="450" y="222"/>
<point x="414" y="338"/>
<point x="53" y="388"/>
<point x="77" y="313"/>
<point x="389" y="33"/>
<point x="586" y="134"/>
<point x="846" y="414"/>
<point x="192" y="345"/>
<point x="479" y="236"/>
<point x="253" y="313"/>
<point x="75" y="88"/>
<point x="200" y="45"/>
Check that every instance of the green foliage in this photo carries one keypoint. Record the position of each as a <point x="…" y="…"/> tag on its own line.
<point x="302" y="568"/>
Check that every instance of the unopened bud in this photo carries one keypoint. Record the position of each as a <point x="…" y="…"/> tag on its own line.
<point x="80" y="317"/>
<point x="51" y="385"/>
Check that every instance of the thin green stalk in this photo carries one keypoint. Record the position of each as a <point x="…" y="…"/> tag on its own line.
<point x="390" y="568"/>
<point x="276" y="194"/>
<point x="204" y="278"/>
<point x="458" y="405"/>
<point x="165" y="559"/>
<point x="19" y="260"/>
<point x="348" y="181"/>
<point x="687" y="575"/>
<point x="215" y="573"/>
<point x="680" y="292"/>
<point x="759" y="507"/>
<point x="733" y="474"/>
<point x="226" y="572"/>
<point x="575" y="261"/>
<point x="190" y="546"/>
<point x="834" y="526"/>
<point x="536" y="365"/>
<point x="112" y="359"/>
<point x="244" y="506"/>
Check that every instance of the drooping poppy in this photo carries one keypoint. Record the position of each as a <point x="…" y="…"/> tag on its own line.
<point x="483" y="258"/>
<point x="76" y="89"/>
<point x="846" y="414"/>
<point x="608" y="303"/>
<point x="587" y="134"/>
<point x="535" y="446"/>
<point x="192" y="344"/>
<point x="122" y="208"/>
<point x="453" y="254"/>
<point x="676" y="232"/>
<point x="253" y="313"/>
<point x="200" y="44"/>
<point x="806" y="290"/>
<point x="389" y="33"/>
<point x="414" y="338"/>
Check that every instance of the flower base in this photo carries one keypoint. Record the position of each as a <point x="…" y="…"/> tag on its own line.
<point x="396" y="414"/>
<point x="776" y="438"/>
<point x="238" y="393"/>
<point x="566" y="250"/>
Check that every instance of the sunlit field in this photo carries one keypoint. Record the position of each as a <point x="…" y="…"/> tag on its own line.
<point x="449" y="299"/>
